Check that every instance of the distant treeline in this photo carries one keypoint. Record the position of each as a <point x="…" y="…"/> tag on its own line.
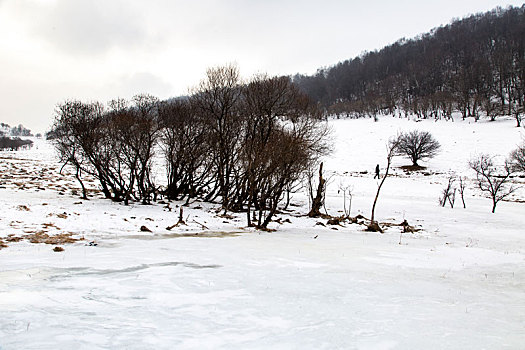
<point x="19" y="130"/>
<point x="14" y="144"/>
<point x="245" y="144"/>
<point x="475" y="66"/>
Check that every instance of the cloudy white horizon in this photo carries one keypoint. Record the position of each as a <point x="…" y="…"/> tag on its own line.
<point x="54" y="50"/>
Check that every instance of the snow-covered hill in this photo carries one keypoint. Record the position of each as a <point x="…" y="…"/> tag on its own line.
<point x="214" y="284"/>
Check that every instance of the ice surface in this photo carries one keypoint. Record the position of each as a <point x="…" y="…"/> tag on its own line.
<point x="457" y="284"/>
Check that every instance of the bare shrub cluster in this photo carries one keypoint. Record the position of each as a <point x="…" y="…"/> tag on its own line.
<point x="242" y="144"/>
<point x="449" y="192"/>
<point x="115" y="144"/>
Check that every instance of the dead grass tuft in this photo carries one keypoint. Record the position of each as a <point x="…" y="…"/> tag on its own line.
<point x="42" y="237"/>
<point x="60" y="216"/>
<point x="12" y="238"/>
<point x="50" y="225"/>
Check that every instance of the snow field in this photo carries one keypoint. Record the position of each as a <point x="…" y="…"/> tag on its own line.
<point x="457" y="284"/>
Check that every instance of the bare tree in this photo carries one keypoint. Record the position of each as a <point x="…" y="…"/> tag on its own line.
<point x="347" y="192"/>
<point x="217" y="99"/>
<point x="517" y="110"/>
<point x="392" y="150"/>
<point x="448" y="193"/>
<point x="145" y="128"/>
<point x="317" y="199"/>
<point x="417" y="145"/>
<point x="281" y="136"/>
<point x="491" y="178"/>
<point x="76" y="138"/>
<point x="184" y="142"/>
<point x="115" y="146"/>
<point x="288" y="159"/>
<point x="461" y="189"/>
<point x="268" y="104"/>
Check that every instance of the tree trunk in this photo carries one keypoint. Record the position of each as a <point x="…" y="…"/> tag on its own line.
<point x="84" y="192"/>
<point x="392" y="147"/>
<point x="317" y="202"/>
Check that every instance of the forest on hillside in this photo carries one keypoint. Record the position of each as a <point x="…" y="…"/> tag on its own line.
<point x="475" y="65"/>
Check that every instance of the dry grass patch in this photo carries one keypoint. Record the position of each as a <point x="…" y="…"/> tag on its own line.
<point x="50" y="225"/>
<point x="63" y="215"/>
<point x="43" y="237"/>
<point x="12" y="238"/>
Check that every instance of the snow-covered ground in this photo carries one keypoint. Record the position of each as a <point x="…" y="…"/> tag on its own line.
<point x="459" y="283"/>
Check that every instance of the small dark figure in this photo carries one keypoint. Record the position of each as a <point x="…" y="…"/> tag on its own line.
<point x="377" y="171"/>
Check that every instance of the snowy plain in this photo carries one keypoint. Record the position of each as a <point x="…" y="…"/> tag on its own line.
<point x="459" y="283"/>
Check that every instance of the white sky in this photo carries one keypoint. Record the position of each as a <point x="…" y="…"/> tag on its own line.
<point x="53" y="50"/>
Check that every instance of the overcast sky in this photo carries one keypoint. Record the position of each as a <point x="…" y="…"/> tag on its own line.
<point x="53" y="50"/>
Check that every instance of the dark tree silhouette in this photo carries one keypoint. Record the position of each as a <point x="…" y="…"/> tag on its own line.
<point x="245" y="144"/>
<point x="186" y="149"/>
<point x="114" y="145"/>
<point x="217" y="99"/>
<point x="417" y="145"/>
<point x="14" y="143"/>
